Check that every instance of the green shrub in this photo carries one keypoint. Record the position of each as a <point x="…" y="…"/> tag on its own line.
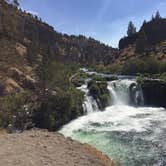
<point x="100" y="93"/>
<point x="163" y="76"/>
<point x="140" y="80"/>
<point x="97" y="78"/>
<point x="57" y="110"/>
<point x="146" y="65"/>
<point x="17" y="110"/>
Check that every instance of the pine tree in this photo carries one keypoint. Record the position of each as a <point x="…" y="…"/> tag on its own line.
<point x="157" y="16"/>
<point x="141" y="42"/>
<point x="16" y="3"/>
<point x="131" y="29"/>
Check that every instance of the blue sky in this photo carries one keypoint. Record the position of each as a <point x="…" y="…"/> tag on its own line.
<point x="104" y="20"/>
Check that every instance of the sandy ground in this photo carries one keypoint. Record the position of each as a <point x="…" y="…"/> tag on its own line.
<point x="42" y="148"/>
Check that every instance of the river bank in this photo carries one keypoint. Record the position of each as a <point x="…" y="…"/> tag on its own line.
<point x="40" y="147"/>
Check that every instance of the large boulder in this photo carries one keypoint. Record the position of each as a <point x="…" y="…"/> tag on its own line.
<point x="154" y="92"/>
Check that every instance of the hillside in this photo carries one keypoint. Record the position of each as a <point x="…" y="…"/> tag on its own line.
<point x="154" y="30"/>
<point x="37" y="36"/>
<point x="154" y="44"/>
<point x="36" y="64"/>
<point x="142" y="52"/>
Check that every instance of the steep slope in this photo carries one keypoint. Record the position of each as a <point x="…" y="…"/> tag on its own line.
<point x="144" y="51"/>
<point x="36" y="64"/>
<point x="37" y="36"/>
<point x="155" y="42"/>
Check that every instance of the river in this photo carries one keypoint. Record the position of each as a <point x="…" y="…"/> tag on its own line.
<point x="128" y="132"/>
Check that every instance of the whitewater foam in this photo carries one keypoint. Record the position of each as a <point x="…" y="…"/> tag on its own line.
<point x="130" y="135"/>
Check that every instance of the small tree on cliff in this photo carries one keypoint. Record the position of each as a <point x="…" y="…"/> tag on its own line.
<point x="131" y="29"/>
<point x="157" y="16"/>
<point x="141" y="42"/>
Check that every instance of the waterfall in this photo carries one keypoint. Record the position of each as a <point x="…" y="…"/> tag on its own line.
<point x="90" y="104"/>
<point x="125" y="92"/>
<point x="127" y="133"/>
<point x="122" y="92"/>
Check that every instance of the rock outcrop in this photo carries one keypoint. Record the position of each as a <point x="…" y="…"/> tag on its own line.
<point x="154" y="92"/>
<point x="154" y="30"/>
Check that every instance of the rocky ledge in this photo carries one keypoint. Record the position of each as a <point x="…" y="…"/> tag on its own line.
<point x="154" y="92"/>
<point x="40" y="147"/>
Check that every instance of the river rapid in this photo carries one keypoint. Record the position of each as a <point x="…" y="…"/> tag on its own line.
<point x="126" y="131"/>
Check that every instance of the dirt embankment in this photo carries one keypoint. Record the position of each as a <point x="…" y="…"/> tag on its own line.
<point x="42" y="148"/>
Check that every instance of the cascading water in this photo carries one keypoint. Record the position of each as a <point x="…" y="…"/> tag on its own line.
<point x="125" y="92"/>
<point x="127" y="133"/>
<point x="90" y="104"/>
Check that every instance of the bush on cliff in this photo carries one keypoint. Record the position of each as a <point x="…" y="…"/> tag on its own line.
<point x="58" y="109"/>
<point x="60" y="101"/>
<point x="100" y="93"/>
<point x="146" y="65"/>
<point x="16" y="111"/>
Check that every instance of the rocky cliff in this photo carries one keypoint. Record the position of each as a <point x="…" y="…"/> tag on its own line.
<point x="154" y="92"/>
<point x="154" y="30"/>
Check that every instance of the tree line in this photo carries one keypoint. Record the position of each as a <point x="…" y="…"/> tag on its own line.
<point x="141" y="41"/>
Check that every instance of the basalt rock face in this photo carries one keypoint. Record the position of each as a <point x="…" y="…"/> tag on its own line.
<point x="136" y="97"/>
<point x="154" y="92"/>
<point x="126" y="41"/>
<point x="155" y="30"/>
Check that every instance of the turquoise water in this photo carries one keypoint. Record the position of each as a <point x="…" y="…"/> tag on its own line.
<point x="130" y="136"/>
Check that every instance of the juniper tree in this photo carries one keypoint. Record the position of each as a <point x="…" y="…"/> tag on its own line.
<point x="157" y="16"/>
<point x="131" y="29"/>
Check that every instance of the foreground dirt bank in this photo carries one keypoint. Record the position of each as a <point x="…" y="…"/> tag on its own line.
<point x="42" y="148"/>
